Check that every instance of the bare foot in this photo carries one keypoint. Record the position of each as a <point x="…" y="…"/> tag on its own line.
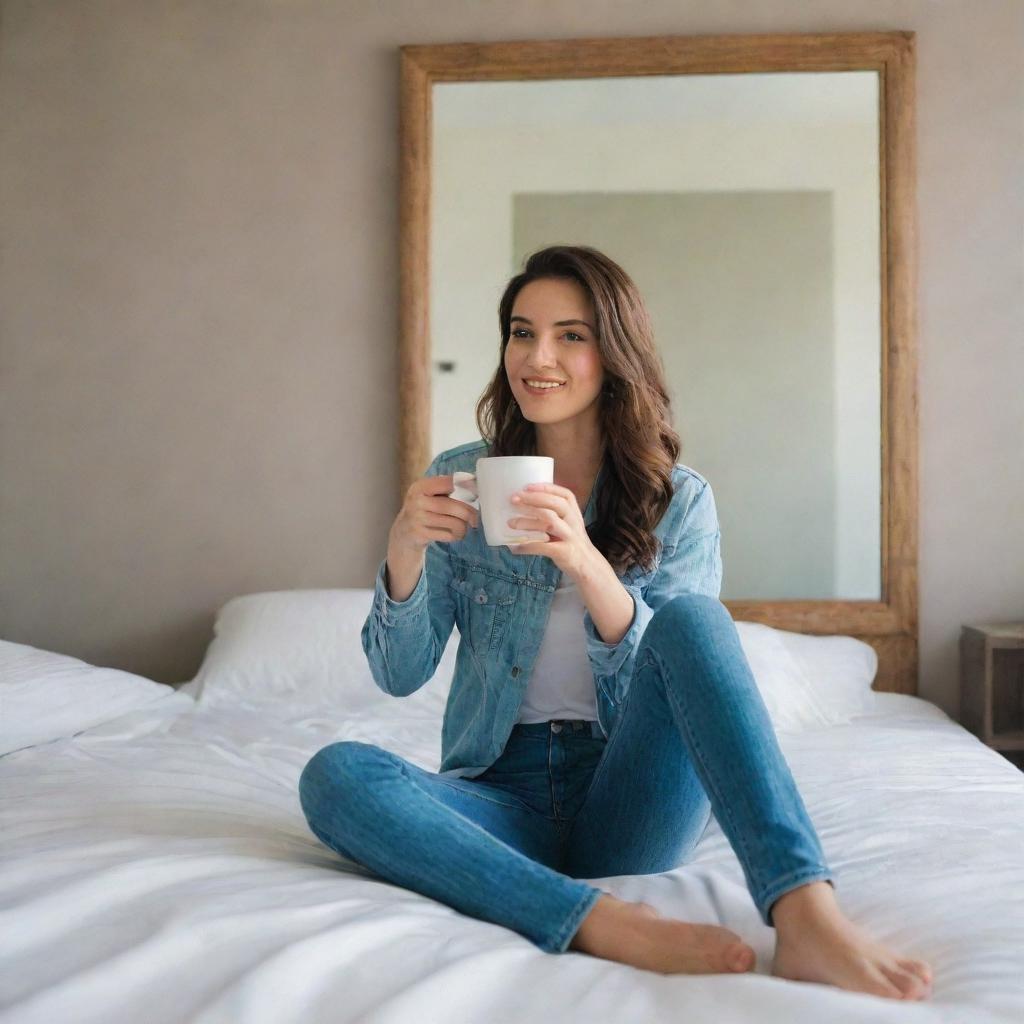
<point x="816" y="942"/>
<point x="636" y="934"/>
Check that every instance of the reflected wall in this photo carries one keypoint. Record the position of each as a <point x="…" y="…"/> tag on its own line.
<point x="746" y="208"/>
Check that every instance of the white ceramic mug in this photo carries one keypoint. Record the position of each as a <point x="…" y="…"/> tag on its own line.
<point x="490" y="490"/>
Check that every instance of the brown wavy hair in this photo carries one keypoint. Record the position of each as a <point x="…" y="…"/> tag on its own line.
<point x="640" y="444"/>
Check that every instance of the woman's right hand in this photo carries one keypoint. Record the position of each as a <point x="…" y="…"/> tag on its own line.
<point x="429" y="514"/>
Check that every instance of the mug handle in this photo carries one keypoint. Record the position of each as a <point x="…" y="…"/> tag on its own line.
<point x="465" y="488"/>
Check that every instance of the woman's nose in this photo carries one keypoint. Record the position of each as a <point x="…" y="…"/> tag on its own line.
<point x="542" y="356"/>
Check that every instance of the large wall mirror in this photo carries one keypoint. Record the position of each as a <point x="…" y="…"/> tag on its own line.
<point x="759" y="189"/>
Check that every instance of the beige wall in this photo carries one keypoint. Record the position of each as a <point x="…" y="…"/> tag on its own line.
<point x="198" y="301"/>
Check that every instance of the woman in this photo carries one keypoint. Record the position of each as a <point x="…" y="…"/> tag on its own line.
<point x="601" y="707"/>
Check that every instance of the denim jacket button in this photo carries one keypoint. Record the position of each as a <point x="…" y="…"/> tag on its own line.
<point x="515" y="671"/>
<point x="480" y="597"/>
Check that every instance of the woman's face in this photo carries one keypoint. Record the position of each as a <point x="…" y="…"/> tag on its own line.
<point x="552" y="339"/>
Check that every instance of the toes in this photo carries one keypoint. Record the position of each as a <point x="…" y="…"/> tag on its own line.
<point x="909" y="984"/>
<point x="723" y="950"/>
<point x="739" y="957"/>
<point x="919" y="970"/>
<point x="884" y="984"/>
<point x="918" y="967"/>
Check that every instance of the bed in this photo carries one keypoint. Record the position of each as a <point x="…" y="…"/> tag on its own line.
<point x="156" y="865"/>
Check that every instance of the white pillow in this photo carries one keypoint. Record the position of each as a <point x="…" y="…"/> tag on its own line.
<point x="839" y="669"/>
<point x="305" y="645"/>
<point x="792" y="703"/>
<point x="46" y="696"/>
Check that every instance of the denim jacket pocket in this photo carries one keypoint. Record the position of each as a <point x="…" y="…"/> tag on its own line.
<point x="483" y="609"/>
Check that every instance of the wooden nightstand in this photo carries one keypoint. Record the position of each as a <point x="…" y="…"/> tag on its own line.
<point x="992" y="686"/>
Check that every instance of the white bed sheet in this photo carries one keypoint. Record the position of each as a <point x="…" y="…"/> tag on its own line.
<point x="159" y="869"/>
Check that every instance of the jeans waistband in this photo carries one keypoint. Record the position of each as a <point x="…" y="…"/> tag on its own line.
<point x="572" y="726"/>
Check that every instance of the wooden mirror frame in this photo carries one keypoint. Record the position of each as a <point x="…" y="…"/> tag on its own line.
<point x="888" y="625"/>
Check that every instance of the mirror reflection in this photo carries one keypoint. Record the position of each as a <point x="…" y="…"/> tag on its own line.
<point x="746" y="209"/>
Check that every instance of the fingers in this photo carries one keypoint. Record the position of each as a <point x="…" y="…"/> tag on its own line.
<point x="550" y="489"/>
<point x="454" y="527"/>
<point x="543" y="519"/>
<point x="429" y="514"/>
<point x="543" y="499"/>
<point x="432" y="493"/>
<point x="442" y="505"/>
<point x="434" y="484"/>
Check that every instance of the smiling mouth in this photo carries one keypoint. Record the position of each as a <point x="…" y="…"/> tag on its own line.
<point x="545" y="388"/>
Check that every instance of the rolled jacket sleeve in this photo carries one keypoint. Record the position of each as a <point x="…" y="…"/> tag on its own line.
<point x="404" y="640"/>
<point x="691" y="562"/>
<point x="393" y="612"/>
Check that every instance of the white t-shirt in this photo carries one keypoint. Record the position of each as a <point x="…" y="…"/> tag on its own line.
<point x="562" y="682"/>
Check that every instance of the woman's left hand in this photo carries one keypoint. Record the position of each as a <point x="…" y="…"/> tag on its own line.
<point x="554" y="510"/>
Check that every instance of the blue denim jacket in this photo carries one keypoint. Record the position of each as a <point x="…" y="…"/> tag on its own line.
<point x="500" y="601"/>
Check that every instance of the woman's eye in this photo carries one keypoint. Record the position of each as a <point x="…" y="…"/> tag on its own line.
<point x="518" y="332"/>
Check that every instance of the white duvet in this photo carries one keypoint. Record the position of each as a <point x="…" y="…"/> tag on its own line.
<point x="158" y="868"/>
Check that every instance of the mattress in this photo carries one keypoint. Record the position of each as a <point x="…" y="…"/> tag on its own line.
<point x="158" y="868"/>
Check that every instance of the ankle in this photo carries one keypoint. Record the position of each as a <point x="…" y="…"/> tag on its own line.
<point x="609" y="923"/>
<point x="811" y="901"/>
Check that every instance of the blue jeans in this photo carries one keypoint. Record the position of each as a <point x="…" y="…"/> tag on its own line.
<point x="562" y="803"/>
